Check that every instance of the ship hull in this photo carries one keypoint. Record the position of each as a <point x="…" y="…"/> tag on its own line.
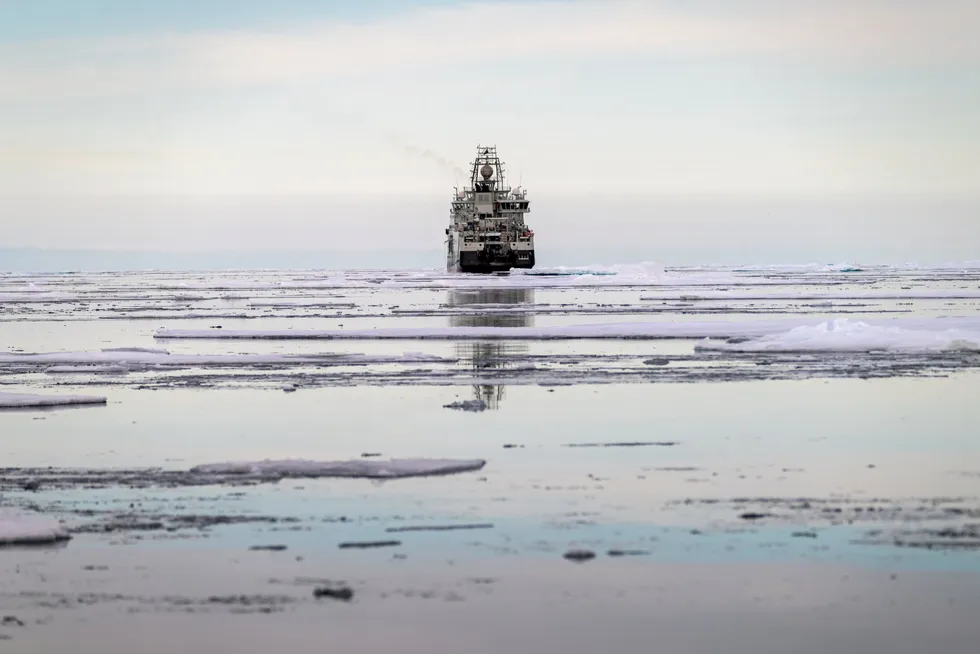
<point x="485" y="263"/>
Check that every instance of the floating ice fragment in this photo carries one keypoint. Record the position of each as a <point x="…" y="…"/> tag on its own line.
<point x="144" y="350"/>
<point x="369" y="544"/>
<point x="29" y="529"/>
<point x="30" y="400"/>
<point x="579" y="556"/>
<point x="477" y="525"/>
<point x="390" y="469"/>
<point x="344" y="593"/>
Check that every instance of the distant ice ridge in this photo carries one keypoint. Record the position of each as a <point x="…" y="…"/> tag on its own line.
<point x="373" y="469"/>
<point x="627" y="274"/>
<point x="18" y="528"/>
<point x="870" y="294"/>
<point x="806" y="267"/>
<point x="33" y="296"/>
<point x="30" y="400"/>
<point x="842" y="267"/>
<point x="171" y="287"/>
<point x="847" y="336"/>
<point x="627" y="330"/>
<point x="647" y="270"/>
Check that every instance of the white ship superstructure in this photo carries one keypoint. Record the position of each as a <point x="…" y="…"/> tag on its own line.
<point x="486" y="231"/>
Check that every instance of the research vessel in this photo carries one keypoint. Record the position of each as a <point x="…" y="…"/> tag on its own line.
<point x="487" y="232"/>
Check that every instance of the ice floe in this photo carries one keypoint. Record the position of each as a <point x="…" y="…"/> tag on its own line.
<point x="626" y="330"/>
<point x="30" y="400"/>
<point x="853" y="336"/>
<point x="88" y="370"/>
<point x="18" y="528"/>
<point x="374" y="469"/>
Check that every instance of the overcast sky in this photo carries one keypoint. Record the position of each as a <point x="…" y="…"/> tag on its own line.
<point x="142" y="105"/>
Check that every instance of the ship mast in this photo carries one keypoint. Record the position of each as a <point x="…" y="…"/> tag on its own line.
<point x="487" y="171"/>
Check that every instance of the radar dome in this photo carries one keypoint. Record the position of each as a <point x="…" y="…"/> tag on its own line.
<point x="486" y="171"/>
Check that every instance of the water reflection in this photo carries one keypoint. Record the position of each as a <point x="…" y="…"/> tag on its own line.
<point x="483" y="357"/>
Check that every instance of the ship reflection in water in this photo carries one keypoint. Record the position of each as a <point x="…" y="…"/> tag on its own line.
<point x="497" y="307"/>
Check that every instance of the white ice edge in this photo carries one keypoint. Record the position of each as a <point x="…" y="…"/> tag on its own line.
<point x="104" y="296"/>
<point x="18" y="528"/>
<point x="635" y="330"/>
<point x="125" y="359"/>
<point x="374" y="469"/>
<point x="873" y="294"/>
<point x="29" y="400"/>
<point x="853" y="336"/>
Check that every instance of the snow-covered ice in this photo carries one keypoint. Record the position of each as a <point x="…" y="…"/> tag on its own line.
<point x="17" y="528"/>
<point x="31" y="400"/>
<point x="374" y="469"/>
<point x="853" y="336"/>
<point x="626" y="330"/>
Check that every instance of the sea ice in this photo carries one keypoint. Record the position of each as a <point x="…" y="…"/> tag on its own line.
<point x="29" y="529"/>
<point x="120" y="359"/>
<point x="30" y="400"/>
<point x="627" y="330"/>
<point x="374" y="469"/>
<point x="847" y="336"/>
